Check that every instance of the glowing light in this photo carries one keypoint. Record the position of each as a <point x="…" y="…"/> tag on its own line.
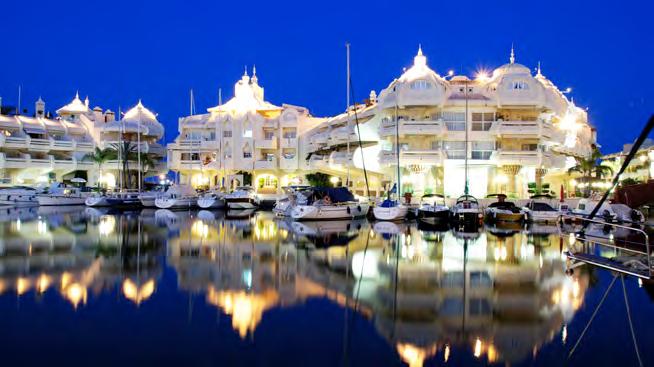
<point x="573" y="182"/>
<point x="482" y="75"/>
<point x="643" y="158"/>
<point x="246" y="309"/>
<point x="446" y="353"/>
<point x="43" y="283"/>
<point x="107" y="225"/>
<point x="132" y="292"/>
<point x="478" y="346"/>
<point x="200" y="229"/>
<point x="76" y="293"/>
<point x="42" y="227"/>
<point x="334" y="180"/>
<point x="501" y="179"/>
<point x="22" y="286"/>
<point x="414" y="356"/>
<point x="572" y="239"/>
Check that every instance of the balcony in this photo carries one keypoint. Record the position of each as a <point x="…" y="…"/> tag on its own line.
<point x="341" y="135"/>
<point x="523" y="157"/>
<point x="340" y="158"/>
<point x="417" y="157"/>
<point x="418" y="127"/>
<point x="15" y="142"/>
<point x="288" y="163"/>
<point x="518" y="129"/>
<point x="288" y="142"/>
<point x="266" y="163"/>
<point x="318" y="161"/>
<point x="265" y="144"/>
<point x="41" y="145"/>
<point x="62" y="144"/>
<point x="319" y="138"/>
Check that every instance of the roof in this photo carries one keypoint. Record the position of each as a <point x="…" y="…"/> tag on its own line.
<point x="140" y="115"/>
<point x="248" y="97"/>
<point x="75" y="106"/>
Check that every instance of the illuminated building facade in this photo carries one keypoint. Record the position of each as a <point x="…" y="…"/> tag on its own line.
<point x="245" y="134"/>
<point x="523" y="133"/>
<point x="40" y="149"/>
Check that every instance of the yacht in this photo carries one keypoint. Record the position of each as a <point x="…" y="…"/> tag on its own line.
<point x="212" y="199"/>
<point x="504" y="211"/>
<point x="243" y="197"/>
<point x="466" y="210"/>
<point x="538" y="209"/>
<point x="177" y="197"/>
<point x="58" y="195"/>
<point x="586" y="206"/>
<point x="626" y="214"/>
<point x="18" y="196"/>
<point x="97" y="199"/>
<point x="282" y="206"/>
<point x="433" y="210"/>
<point x="390" y="210"/>
<point x="124" y="198"/>
<point x="329" y="203"/>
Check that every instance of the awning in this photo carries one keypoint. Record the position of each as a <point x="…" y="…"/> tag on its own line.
<point x="53" y="126"/>
<point x="9" y="123"/>
<point x="31" y="125"/>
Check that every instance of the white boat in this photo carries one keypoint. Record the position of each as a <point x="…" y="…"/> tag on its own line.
<point x="282" y="206"/>
<point x="626" y="214"/>
<point x="243" y="197"/>
<point x="18" y="196"/>
<point x="433" y="210"/>
<point x="538" y="209"/>
<point x="124" y="198"/>
<point x="148" y="198"/>
<point x="390" y="210"/>
<point x="467" y="210"/>
<point x="177" y="197"/>
<point x="63" y="196"/>
<point x="586" y="206"/>
<point x="329" y="203"/>
<point x="211" y="199"/>
<point x="96" y="200"/>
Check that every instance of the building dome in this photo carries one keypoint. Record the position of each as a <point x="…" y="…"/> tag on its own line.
<point x="139" y="114"/>
<point x="76" y="106"/>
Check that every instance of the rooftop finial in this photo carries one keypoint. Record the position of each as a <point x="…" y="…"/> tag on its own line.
<point x="420" y="59"/>
<point x="245" y="73"/>
<point x="512" y="58"/>
<point x="538" y="69"/>
<point x="77" y="94"/>
<point x="254" y="70"/>
<point x="419" y="49"/>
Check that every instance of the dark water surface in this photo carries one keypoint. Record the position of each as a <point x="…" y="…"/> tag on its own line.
<point x="87" y="287"/>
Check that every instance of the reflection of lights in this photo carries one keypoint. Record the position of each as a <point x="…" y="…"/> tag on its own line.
<point x="3" y="286"/>
<point x="246" y="309"/>
<point x="107" y="225"/>
<point x="334" y="180"/>
<point x="200" y="229"/>
<point x="564" y="333"/>
<point x="132" y="292"/>
<point x="491" y="353"/>
<point x="414" y="356"/>
<point x="42" y="227"/>
<point x="247" y="277"/>
<point x="76" y="293"/>
<point x="364" y="265"/>
<point x="43" y="283"/>
<point x="446" y="353"/>
<point x="640" y="283"/>
<point x="22" y="286"/>
<point x="18" y="224"/>
<point x="572" y="239"/>
<point x="478" y="346"/>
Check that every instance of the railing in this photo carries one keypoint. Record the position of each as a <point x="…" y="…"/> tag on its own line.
<point x="265" y="144"/>
<point x="413" y="127"/>
<point x="517" y="128"/>
<point x="521" y="157"/>
<point x="419" y="157"/>
<point x="265" y="163"/>
<point x="288" y="142"/>
<point x="639" y="264"/>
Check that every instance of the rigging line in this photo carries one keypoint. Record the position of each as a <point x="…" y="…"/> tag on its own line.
<point x="615" y="277"/>
<point x="365" y="250"/>
<point x="363" y="160"/>
<point x="634" y="149"/>
<point x="397" y="271"/>
<point x="631" y="325"/>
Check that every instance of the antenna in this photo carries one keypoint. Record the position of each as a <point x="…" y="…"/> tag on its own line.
<point x="18" y="110"/>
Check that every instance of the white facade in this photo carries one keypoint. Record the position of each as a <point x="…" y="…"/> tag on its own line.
<point x="522" y="132"/>
<point x="245" y="134"/>
<point x="39" y="149"/>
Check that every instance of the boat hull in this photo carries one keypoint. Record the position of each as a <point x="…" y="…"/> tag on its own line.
<point x="502" y="216"/>
<point x="50" y="200"/>
<point x="96" y="201"/>
<point x="169" y="203"/>
<point x="394" y="213"/>
<point x="207" y="203"/>
<point x="330" y="212"/>
<point x="433" y="216"/>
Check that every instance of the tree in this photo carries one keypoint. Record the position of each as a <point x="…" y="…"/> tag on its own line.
<point x="126" y="150"/>
<point x="100" y="156"/>
<point x="319" y="179"/>
<point x="591" y="169"/>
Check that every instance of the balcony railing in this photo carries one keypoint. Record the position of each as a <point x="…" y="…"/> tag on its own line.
<point x="266" y="163"/>
<point x="418" y="157"/>
<point x="409" y="127"/>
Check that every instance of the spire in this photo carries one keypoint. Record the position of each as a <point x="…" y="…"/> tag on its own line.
<point x="245" y="73"/>
<point x="512" y="58"/>
<point x="86" y="101"/>
<point x="419" y="59"/>
<point x="254" y="70"/>
<point x="77" y="94"/>
<point x="538" y="73"/>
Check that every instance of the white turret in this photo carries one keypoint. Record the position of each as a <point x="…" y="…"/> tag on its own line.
<point x="39" y="108"/>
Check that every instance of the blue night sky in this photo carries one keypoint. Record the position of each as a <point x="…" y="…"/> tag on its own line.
<point x="119" y="51"/>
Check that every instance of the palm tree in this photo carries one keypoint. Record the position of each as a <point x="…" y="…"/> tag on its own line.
<point x="100" y="156"/>
<point x="591" y="169"/>
<point x="125" y="149"/>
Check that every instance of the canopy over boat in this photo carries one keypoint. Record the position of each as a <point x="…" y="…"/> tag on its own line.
<point x="335" y="194"/>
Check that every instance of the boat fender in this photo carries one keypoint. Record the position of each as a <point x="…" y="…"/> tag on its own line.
<point x="359" y="208"/>
<point x="348" y="210"/>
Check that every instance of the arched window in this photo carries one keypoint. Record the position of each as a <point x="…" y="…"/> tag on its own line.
<point x="420" y="84"/>
<point x="247" y="151"/>
<point x="519" y="85"/>
<point x="247" y="129"/>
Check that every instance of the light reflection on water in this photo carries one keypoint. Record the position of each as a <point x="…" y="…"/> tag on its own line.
<point x="496" y="295"/>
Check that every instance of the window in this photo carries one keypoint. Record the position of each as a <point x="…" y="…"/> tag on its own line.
<point x="227" y="134"/>
<point x="290" y="134"/>
<point x="420" y="84"/>
<point x="247" y="154"/>
<point x="482" y="149"/>
<point x="247" y="133"/>
<point x="455" y="149"/>
<point x="519" y="85"/>
<point x="482" y="121"/>
<point x="479" y="306"/>
<point x="268" y="135"/>
<point x="530" y="147"/>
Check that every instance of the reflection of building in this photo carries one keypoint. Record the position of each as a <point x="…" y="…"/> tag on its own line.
<point x="39" y="149"/>
<point x="77" y="254"/>
<point x="244" y="134"/>
<point x="522" y="130"/>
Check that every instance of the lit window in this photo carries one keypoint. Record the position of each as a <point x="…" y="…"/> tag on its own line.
<point x="519" y="85"/>
<point x="420" y="84"/>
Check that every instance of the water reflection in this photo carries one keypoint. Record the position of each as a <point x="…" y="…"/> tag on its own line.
<point x="498" y="294"/>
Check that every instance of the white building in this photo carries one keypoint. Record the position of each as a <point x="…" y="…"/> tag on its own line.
<point x="245" y="134"/>
<point x="523" y="134"/>
<point x="39" y="149"/>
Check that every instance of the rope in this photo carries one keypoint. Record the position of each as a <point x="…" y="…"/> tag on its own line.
<point x="631" y="325"/>
<point x="615" y="277"/>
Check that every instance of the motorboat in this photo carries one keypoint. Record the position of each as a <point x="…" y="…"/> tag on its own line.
<point x="282" y="206"/>
<point x="177" y="197"/>
<point x="124" y="198"/>
<point x="97" y="200"/>
<point x="329" y="203"/>
<point x="243" y="197"/>
<point x="212" y="200"/>
<point x="59" y="195"/>
<point x="504" y="211"/>
<point x="148" y="197"/>
<point x="626" y="214"/>
<point x="466" y="210"/>
<point x="586" y="206"/>
<point x="538" y="209"/>
<point x="18" y="196"/>
<point x="390" y="210"/>
<point x="433" y="210"/>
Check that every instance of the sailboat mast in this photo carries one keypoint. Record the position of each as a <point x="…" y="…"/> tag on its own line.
<point x="222" y="154"/>
<point x="397" y="152"/>
<point x="138" y="147"/>
<point x="347" y="111"/>
<point x="120" y="148"/>
<point x="466" y="191"/>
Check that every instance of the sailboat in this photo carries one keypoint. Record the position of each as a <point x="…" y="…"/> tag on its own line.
<point x="392" y="210"/>
<point x="466" y="209"/>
